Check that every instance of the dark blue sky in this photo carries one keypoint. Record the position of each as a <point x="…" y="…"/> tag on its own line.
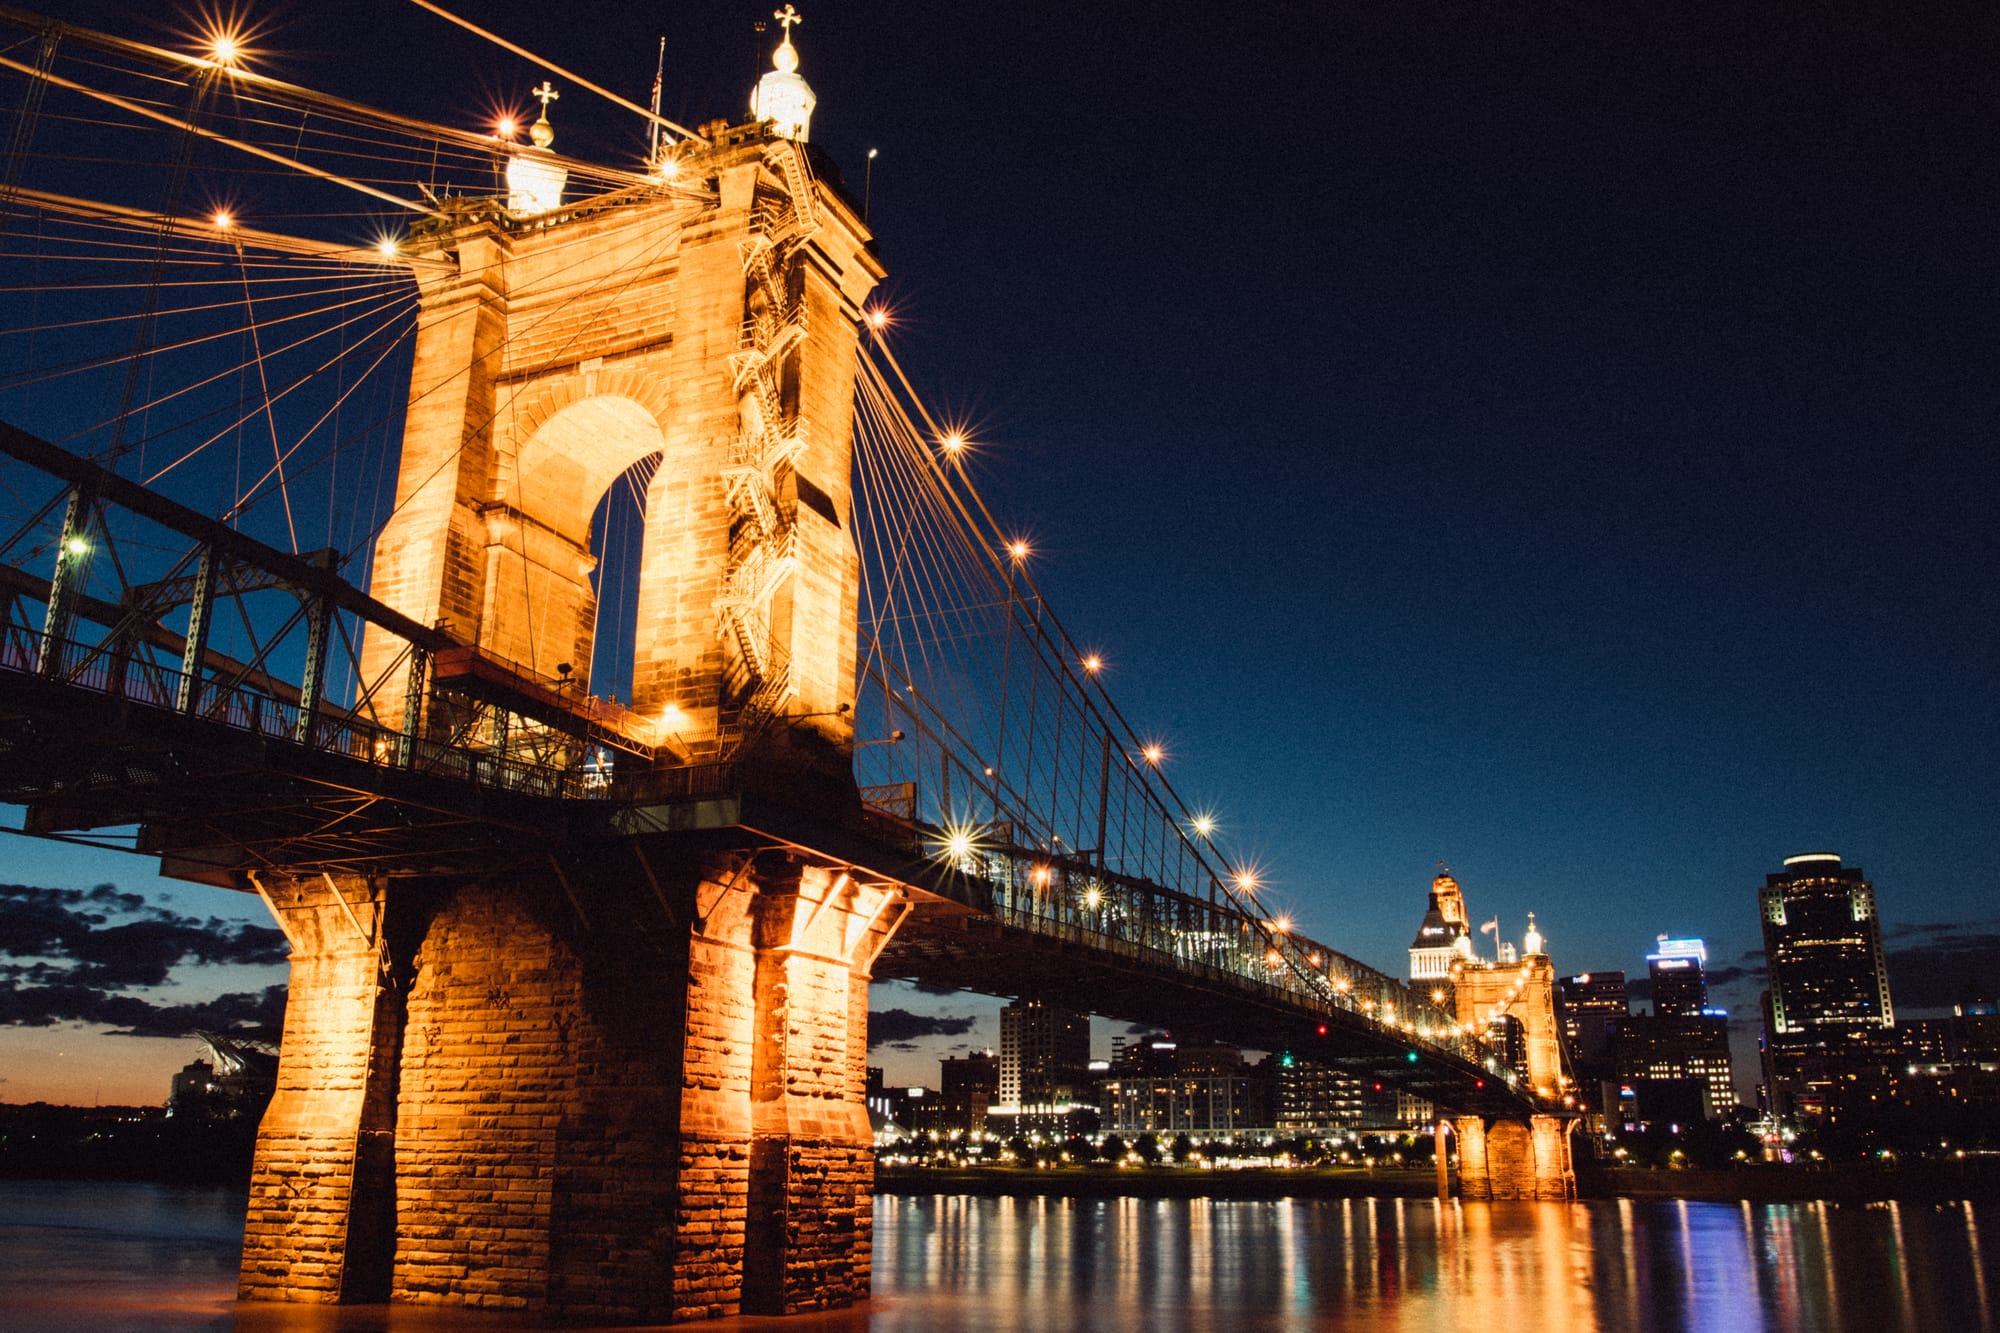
<point x="1562" y="445"/>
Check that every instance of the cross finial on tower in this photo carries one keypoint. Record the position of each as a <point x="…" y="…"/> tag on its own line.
<point x="541" y="133"/>
<point x="787" y="17"/>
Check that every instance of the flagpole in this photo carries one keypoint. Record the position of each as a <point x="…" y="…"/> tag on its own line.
<point x="659" y="70"/>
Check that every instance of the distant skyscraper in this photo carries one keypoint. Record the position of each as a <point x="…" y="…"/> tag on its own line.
<point x="1692" y="1048"/>
<point x="1827" y="1017"/>
<point x="1680" y="987"/>
<point x="1044" y="1054"/>
<point x="1823" y="949"/>
<point x="1589" y="1006"/>
<point x="1313" y="1098"/>
<point x="967" y="1088"/>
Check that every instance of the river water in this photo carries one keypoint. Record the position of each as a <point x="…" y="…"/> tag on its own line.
<point x="108" y="1258"/>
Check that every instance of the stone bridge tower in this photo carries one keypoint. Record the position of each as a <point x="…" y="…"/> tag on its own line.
<point x="1511" y="1158"/>
<point x="601" y="1068"/>
<point x="710" y="324"/>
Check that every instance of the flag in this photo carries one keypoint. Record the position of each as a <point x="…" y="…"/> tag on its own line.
<point x="1491" y="928"/>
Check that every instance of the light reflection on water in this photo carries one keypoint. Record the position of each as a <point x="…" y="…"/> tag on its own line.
<point x="117" y="1257"/>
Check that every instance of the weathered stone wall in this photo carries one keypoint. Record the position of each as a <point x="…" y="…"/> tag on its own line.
<point x="576" y="1095"/>
<point x="1525" y="991"/>
<point x="317" y="1229"/>
<point x="552" y="358"/>
<point x="1514" y="1159"/>
<point x="429" y="562"/>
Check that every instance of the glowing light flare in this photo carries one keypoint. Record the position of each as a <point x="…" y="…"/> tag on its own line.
<point x="1154" y="754"/>
<point x="1246" y="879"/>
<point x="77" y="546"/>
<point x="1041" y="876"/>
<point x="953" y="444"/>
<point x="878" y="318"/>
<point x="1092" y="896"/>
<point x="958" y="842"/>
<point x="1282" y="925"/>
<point x="386" y="247"/>
<point x="225" y="47"/>
<point x="222" y="220"/>
<point x="1018" y="549"/>
<point x="1203" y="824"/>
<point x="506" y="127"/>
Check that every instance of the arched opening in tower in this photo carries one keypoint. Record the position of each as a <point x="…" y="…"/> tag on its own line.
<point x="617" y="543"/>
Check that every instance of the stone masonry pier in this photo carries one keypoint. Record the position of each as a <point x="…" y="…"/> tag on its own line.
<point x="629" y="1090"/>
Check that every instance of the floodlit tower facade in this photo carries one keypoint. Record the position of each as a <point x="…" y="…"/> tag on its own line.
<point x="1441" y="936"/>
<point x="696" y="339"/>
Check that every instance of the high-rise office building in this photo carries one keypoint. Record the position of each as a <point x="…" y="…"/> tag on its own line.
<point x="1827" y="1016"/>
<point x="1678" y="976"/>
<point x="1161" y="1087"/>
<point x="1679" y="1048"/>
<point x="1044" y="1055"/>
<point x="1823" y="950"/>
<point x="1589" y="1006"/>
<point x="967" y="1087"/>
<point x="1312" y="1098"/>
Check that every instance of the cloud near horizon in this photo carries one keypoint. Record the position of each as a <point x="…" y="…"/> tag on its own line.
<point x="77" y="954"/>
<point x="1932" y="965"/>
<point x="895" y="1027"/>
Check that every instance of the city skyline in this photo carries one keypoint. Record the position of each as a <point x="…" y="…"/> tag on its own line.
<point x="1602" y="504"/>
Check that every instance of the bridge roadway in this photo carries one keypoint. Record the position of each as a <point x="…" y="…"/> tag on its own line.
<point x="227" y="770"/>
<point x="221" y="795"/>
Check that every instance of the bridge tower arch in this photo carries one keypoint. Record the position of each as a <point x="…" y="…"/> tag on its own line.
<point x="1511" y="1157"/>
<point x="716" y="325"/>
<point x="622" y="1076"/>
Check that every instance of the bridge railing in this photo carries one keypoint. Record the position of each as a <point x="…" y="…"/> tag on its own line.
<point x="243" y="708"/>
<point x="1065" y="899"/>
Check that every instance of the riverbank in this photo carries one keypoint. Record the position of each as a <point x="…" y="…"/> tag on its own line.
<point x="1095" y="1182"/>
<point x="1847" y="1183"/>
<point x="1920" y="1182"/>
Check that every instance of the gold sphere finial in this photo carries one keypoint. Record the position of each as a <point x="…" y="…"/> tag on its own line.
<point x="786" y="57"/>
<point x="541" y="133"/>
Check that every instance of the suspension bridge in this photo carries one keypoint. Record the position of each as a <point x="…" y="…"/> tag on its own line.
<point x="540" y="582"/>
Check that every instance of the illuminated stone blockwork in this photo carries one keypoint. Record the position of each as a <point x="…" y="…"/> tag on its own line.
<point x="607" y="1103"/>
<point x="1508" y="1158"/>
<point x="1523" y="991"/>
<point x="1514" y="1159"/>
<point x="318" y="1227"/>
<point x="713" y="328"/>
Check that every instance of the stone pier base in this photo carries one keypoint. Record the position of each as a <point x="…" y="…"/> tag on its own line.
<point x="1514" y="1159"/>
<point x="623" y="1091"/>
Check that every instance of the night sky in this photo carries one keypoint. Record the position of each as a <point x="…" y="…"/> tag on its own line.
<point x="1559" y="445"/>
